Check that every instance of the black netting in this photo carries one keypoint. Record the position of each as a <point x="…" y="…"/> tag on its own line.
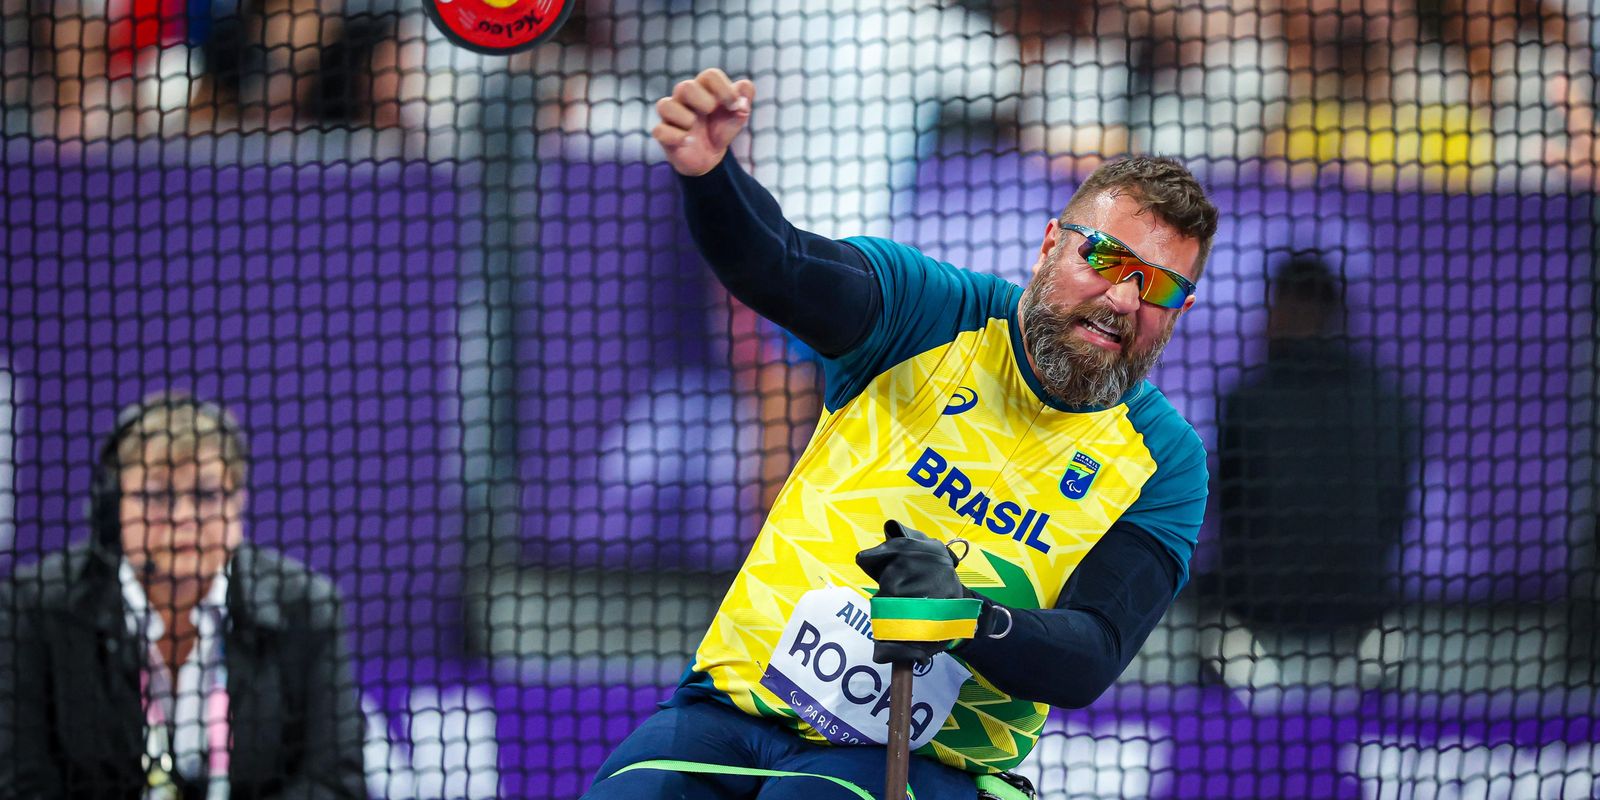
<point x="521" y="440"/>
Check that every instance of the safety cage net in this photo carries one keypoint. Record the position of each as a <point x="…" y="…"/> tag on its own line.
<point x="410" y="352"/>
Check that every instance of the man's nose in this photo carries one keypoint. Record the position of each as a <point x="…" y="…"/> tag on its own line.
<point x="1124" y="297"/>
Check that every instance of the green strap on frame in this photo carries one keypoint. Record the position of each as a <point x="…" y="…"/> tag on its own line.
<point x="672" y="765"/>
<point x="994" y="787"/>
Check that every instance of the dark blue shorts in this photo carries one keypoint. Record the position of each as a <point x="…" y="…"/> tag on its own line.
<point x="708" y="731"/>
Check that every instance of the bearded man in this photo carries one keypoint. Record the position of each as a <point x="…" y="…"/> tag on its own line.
<point x="1018" y="421"/>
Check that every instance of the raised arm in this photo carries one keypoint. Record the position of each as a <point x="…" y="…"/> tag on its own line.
<point x="820" y="290"/>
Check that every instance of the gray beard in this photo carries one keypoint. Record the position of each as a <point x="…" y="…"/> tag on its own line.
<point x="1076" y="372"/>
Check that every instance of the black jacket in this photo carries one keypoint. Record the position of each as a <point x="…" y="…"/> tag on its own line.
<point x="70" y="718"/>
<point x="1318" y="455"/>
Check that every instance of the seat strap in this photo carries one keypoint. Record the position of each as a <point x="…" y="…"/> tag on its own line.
<point x="673" y="765"/>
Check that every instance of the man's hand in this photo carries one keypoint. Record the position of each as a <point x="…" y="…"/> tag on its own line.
<point x="700" y="119"/>
<point x="910" y="564"/>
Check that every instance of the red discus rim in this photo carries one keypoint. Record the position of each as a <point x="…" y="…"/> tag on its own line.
<point x="498" y="27"/>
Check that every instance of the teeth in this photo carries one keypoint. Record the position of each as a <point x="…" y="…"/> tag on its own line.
<point x="1103" y="331"/>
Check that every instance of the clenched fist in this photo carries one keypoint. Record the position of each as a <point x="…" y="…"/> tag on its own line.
<point x="700" y="119"/>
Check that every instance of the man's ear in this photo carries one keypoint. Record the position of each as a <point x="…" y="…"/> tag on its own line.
<point x="1188" y="303"/>
<point x="1052" y="235"/>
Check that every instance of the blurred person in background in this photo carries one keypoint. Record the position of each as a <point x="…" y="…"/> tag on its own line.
<point x="122" y="68"/>
<point x="1213" y="82"/>
<point x="1077" y="64"/>
<point x="1100" y="79"/>
<point x="1534" y="64"/>
<point x="1443" y="93"/>
<point x="167" y="657"/>
<point x="71" y="87"/>
<point x="1317" y="456"/>
<point x="372" y="74"/>
<point x="263" y="64"/>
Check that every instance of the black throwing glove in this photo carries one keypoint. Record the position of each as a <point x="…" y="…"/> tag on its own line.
<point x="911" y="564"/>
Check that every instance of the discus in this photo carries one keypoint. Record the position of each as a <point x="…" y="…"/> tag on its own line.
<point x="498" y="27"/>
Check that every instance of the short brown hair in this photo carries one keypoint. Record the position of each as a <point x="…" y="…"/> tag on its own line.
<point x="179" y="426"/>
<point x="1160" y="185"/>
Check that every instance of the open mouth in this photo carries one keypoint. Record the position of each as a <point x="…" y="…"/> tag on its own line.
<point x="1098" y="330"/>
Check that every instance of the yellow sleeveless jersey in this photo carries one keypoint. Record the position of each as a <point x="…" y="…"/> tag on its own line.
<point x="937" y="421"/>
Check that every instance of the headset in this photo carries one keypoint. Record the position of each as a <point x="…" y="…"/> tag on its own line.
<point x="105" y="489"/>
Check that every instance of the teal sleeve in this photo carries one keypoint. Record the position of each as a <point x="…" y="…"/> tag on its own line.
<point x="1172" y="504"/>
<point x="926" y="303"/>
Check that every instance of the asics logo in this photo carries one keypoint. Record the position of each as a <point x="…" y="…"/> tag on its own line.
<point x="963" y="399"/>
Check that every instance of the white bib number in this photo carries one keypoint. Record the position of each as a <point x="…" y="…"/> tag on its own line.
<point x="823" y="669"/>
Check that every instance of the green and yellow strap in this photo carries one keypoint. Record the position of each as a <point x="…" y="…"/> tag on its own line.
<point x="922" y="619"/>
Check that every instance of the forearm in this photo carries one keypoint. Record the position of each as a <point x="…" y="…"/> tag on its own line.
<point x="1053" y="656"/>
<point x="1069" y="655"/>
<point x="820" y="290"/>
